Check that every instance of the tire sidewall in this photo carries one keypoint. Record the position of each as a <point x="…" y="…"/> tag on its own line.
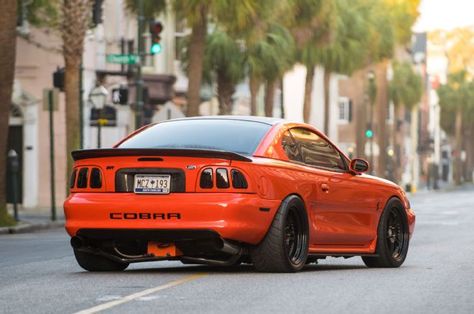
<point x="382" y="249"/>
<point x="291" y="203"/>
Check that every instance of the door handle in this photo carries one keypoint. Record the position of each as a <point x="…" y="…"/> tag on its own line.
<point x="325" y="187"/>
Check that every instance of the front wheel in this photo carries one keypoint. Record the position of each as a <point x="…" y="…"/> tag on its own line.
<point x="392" y="237"/>
<point x="93" y="262"/>
<point x="285" y="247"/>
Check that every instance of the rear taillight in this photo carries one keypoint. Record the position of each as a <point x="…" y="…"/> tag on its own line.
<point x="86" y="178"/>
<point x="82" y="178"/>
<point x="238" y="180"/>
<point x="72" y="182"/>
<point x="206" y="181"/>
<point x="223" y="180"/>
<point x="95" y="180"/>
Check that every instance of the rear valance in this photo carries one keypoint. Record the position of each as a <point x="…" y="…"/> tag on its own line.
<point x="156" y="152"/>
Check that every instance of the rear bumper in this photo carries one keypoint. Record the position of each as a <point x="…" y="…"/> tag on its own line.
<point x="239" y="217"/>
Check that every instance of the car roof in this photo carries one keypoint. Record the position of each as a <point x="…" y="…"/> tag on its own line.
<point x="265" y="120"/>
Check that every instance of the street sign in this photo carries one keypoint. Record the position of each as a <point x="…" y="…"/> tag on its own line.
<point x="105" y="117"/>
<point x="122" y="59"/>
<point x="55" y="99"/>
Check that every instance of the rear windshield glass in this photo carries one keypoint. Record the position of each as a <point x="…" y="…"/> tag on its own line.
<point x="235" y="136"/>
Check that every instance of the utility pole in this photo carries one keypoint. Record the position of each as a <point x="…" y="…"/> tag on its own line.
<point x="51" y="155"/>
<point x="138" y="73"/>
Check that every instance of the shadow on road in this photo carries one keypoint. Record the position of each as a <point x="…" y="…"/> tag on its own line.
<point x="241" y="269"/>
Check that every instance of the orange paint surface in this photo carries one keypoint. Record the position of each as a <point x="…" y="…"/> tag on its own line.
<point x="343" y="208"/>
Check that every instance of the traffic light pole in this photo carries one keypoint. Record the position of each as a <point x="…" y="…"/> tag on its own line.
<point x="81" y="107"/>
<point x="138" y="73"/>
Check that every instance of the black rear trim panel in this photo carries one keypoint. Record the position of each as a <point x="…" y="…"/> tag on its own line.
<point x="165" y="235"/>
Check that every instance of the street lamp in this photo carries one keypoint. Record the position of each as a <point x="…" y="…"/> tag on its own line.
<point x="98" y="98"/>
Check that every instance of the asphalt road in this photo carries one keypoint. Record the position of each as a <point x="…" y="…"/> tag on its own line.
<point x="38" y="274"/>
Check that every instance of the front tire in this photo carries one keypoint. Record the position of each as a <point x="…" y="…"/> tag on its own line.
<point x="392" y="237"/>
<point x="285" y="246"/>
<point x="93" y="262"/>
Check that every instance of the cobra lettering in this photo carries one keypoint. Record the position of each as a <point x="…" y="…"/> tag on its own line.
<point x="134" y="216"/>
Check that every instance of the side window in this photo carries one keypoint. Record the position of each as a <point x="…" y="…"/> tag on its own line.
<point x="290" y="147"/>
<point x="316" y="151"/>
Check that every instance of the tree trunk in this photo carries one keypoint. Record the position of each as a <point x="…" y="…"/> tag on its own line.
<point x="196" y="57"/>
<point x="327" y="107"/>
<point x="469" y="146"/>
<point x="458" y="147"/>
<point x="381" y="105"/>
<point x="269" y="97"/>
<point x="308" y="91"/>
<point x="360" y="109"/>
<point x="397" y="150"/>
<point x="254" y="85"/>
<point x="225" y="90"/>
<point x="73" y="31"/>
<point x="71" y="90"/>
<point x="7" y="72"/>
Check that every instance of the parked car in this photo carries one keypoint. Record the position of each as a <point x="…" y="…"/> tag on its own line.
<point x="226" y="190"/>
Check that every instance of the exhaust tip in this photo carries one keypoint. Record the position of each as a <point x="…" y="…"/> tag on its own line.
<point x="77" y="242"/>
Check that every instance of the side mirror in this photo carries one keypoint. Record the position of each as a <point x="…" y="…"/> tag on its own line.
<point x="358" y="165"/>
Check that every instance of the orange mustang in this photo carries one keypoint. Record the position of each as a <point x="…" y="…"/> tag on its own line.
<point x="225" y="190"/>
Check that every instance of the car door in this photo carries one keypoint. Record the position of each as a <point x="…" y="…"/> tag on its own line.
<point x="345" y="210"/>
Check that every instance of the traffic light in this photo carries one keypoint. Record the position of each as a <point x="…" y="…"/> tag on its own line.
<point x="155" y="30"/>
<point x="58" y="79"/>
<point x="97" y="12"/>
<point x="120" y="95"/>
<point x="369" y="133"/>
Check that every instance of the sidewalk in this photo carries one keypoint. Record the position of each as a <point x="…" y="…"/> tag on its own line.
<point x="34" y="219"/>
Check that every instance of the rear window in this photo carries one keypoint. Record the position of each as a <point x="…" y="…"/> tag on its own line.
<point x="235" y="136"/>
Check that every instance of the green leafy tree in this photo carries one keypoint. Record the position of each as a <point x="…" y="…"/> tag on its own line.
<point x="406" y="90"/>
<point x="224" y="58"/>
<point x="456" y="99"/>
<point x="313" y="28"/>
<point x="348" y="51"/>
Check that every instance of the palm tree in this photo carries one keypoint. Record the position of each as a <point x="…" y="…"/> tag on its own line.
<point x="456" y="98"/>
<point x="7" y="72"/>
<point x="75" y="22"/>
<point x="348" y="51"/>
<point x="225" y="60"/>
<point x="405" y="90"/>
<point x="313" y="28"/>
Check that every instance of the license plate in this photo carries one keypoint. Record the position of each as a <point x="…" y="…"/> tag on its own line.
<point x="152" y="183"/>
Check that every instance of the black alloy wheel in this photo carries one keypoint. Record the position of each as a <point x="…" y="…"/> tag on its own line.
<point x="295" y="237"/>
<point x="396" y="234"/>
<point x="392" y="237"/>
<point x="285" y="246"/>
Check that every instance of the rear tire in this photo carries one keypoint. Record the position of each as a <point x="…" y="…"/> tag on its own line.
<point x="93" y="262"/>
<point x="285" y="246"/>
<point x="392" y="237"/>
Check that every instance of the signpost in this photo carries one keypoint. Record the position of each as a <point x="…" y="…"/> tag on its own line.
<point x="123" y="58"/>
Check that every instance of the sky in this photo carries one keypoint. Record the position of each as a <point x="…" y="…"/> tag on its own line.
<point x="444" y="14"/>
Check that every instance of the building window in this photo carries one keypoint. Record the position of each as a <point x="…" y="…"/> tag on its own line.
<point x="345" y="110"/>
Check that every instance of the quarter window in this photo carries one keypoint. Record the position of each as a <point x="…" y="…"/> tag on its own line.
<point x="316" y="151"/>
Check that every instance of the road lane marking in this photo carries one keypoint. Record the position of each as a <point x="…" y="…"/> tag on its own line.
<point x="134" y="296"/>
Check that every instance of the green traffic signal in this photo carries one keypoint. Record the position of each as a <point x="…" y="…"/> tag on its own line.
<point x="369" y="133"/>
<point x="155" y="48"/>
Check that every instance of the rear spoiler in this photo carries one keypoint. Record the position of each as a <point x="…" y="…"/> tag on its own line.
<point x="156" y="152"/>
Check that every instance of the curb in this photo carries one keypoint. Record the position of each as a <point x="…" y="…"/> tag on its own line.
<point x="25" y="227"/>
